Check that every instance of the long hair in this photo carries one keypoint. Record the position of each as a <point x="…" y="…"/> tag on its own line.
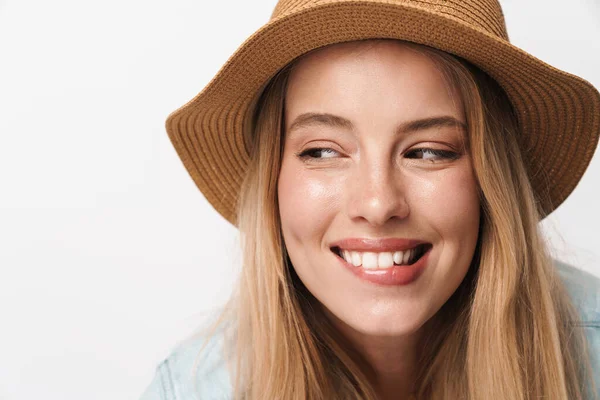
<point x="508" y="332"/>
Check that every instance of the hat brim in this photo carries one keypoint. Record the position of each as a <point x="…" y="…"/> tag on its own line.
<point x="558" y="113"/>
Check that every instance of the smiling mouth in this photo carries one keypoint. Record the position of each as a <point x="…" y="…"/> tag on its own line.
<point x="386" y="259"/>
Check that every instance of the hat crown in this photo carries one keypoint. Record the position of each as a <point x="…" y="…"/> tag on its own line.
<point x="484" y="14"/>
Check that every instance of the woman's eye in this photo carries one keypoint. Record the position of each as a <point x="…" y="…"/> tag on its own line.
<point x="318" y="152"/>
<point x="432" y="154"/>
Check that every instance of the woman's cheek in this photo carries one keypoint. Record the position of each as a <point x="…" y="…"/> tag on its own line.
<point x="447" y="198"/>
<point x="307" y="199"/>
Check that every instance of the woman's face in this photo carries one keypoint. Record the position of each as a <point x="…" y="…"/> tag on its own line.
<point x="374" y="175"/>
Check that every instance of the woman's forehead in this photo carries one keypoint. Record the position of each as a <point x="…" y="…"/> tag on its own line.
<point x="370" y="80"/>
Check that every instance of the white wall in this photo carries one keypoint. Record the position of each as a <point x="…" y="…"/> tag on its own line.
<point x="108" y="252"/>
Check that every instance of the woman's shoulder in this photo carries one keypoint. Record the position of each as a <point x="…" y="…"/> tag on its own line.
<point x="584" y="289"/>
<point x="195" y="370"/>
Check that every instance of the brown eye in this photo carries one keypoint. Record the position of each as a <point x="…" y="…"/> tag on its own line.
<point x="431" y="154"/>
<point x="318" y="152"/>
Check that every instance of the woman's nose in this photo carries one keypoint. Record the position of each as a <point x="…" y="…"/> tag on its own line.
<point x="375" y="193"/>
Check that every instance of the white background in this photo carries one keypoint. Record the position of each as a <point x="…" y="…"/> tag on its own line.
<point x="108" y="252"/>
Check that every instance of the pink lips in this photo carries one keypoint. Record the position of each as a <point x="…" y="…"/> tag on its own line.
<point x="392" y="276"/>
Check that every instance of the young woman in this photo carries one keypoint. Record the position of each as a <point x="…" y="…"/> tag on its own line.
<point x="388" y="194"/>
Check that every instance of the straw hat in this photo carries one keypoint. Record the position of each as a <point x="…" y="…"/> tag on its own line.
<point x="558" y="113"/>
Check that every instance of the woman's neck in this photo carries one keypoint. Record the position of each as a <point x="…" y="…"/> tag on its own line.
<point x="392" y="360"/>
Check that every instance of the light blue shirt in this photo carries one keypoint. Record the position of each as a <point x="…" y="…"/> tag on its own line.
<point x="176" y="378"/>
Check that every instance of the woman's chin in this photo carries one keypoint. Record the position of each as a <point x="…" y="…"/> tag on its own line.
<point x="380" y="326"/>
<point x="377" y="330"/>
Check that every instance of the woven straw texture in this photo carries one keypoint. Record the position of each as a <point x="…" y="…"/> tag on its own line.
<point x="558" y="113"/>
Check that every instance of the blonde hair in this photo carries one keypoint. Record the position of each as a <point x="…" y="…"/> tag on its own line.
<point x="507" y="333"/>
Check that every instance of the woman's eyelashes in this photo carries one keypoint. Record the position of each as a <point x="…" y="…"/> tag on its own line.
<point x="318" y="153"/>
<point x="424" y="153"/>
<point x="431" y="155"/>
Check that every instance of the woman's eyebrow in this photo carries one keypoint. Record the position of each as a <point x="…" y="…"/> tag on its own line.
<point x="308" y="119"/>
<point x="335" y="121"/>
<point x="432" y="122"/>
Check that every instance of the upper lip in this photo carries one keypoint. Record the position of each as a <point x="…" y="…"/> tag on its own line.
<point x="376" y="245"/>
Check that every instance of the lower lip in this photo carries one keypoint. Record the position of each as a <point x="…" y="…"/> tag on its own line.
<point x="393" y="276"/>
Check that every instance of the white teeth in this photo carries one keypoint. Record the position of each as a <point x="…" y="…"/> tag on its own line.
<point x="398" y="256"/>
<point x="369" y="260"/>
<point x="385" y="260"/>
<point x="356" y="259"/>
<point x="407" y="256"/>
<point x="346" y="256"/>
